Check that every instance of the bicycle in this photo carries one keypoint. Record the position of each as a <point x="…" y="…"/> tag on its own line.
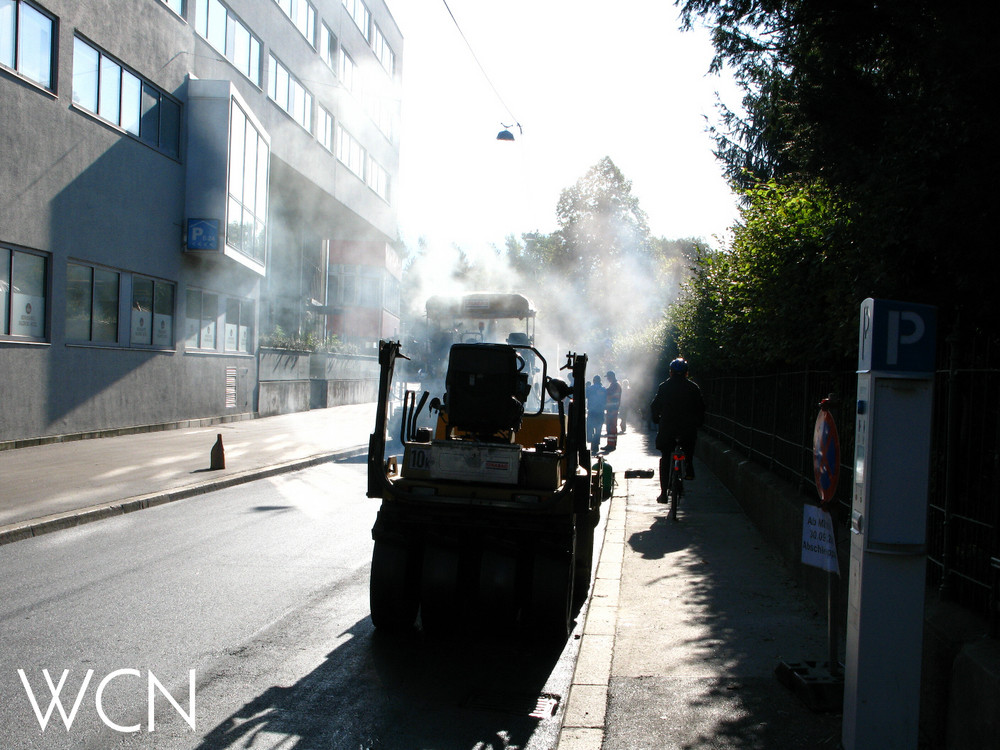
<point x="675" y="480"/>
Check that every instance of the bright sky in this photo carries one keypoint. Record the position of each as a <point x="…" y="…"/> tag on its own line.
<point x="585" y="79"/>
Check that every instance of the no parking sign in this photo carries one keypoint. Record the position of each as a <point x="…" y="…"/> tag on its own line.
<point x="826" y="455"/>
<point x="819" y="543"/>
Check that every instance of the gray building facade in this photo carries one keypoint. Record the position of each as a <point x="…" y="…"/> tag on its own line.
<point x="172" y="176"/>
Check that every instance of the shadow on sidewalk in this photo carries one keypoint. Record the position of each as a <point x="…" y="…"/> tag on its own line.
<point x="661" y="539"/>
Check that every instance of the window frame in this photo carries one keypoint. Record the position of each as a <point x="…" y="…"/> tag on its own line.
<point x="246" y="311"/>
<point x="94" y="304"/>
<point x="292" y="97"/>
<point x="222" y="38"/>
<point x="167" y="339"/>
<point x="8" y="287"/>
<point x="16" y="61"/>
<point x="162" y="132"/>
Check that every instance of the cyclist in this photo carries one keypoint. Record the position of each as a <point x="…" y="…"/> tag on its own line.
<point x="679" y="410"/>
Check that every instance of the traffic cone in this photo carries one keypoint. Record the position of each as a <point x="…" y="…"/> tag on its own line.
<point x="218" y="454"/>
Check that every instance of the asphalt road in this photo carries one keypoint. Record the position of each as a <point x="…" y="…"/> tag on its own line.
<point x="262" y="591"/>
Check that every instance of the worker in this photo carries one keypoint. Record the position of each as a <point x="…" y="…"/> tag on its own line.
<point x="597" y="398"/>
<point x="614" y="402"/>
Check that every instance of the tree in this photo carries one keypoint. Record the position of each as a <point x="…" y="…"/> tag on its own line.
<point x="776" y="298"/>
<point x="885" y="104"/>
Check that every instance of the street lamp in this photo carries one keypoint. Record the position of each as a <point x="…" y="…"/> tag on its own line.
<point x="506" y="135"/>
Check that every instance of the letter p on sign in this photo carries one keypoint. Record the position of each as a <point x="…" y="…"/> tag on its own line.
<point x="897" y="337"/>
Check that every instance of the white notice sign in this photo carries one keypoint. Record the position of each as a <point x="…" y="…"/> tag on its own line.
<point x="819" y="548"/>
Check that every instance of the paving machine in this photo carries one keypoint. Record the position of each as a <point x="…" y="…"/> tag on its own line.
<point x="487" y="519"/>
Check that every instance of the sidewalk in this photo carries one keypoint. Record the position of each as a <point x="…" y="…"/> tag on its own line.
<point x="686" y="625"/>
<point x="49" y="487"/>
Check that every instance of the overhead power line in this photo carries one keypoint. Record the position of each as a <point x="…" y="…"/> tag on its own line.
<point x="481" y="68"/>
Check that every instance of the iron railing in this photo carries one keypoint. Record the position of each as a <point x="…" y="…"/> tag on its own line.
<point x="770" y="419"/>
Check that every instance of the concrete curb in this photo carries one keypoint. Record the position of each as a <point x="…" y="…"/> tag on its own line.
<point x="585" y="719"/>
<point x="21" y="530"/>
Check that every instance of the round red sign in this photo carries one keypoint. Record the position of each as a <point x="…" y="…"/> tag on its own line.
<point x="826" y="456"/>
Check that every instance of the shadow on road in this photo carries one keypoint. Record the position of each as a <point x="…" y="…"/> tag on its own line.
<point x="378" y="692"/>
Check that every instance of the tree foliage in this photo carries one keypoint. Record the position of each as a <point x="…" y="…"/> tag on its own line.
<point x="775" y="298"/>
<point x="877" y="115"/>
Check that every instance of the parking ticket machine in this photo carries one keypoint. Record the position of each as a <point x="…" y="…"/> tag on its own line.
<point x="888" y="525"/>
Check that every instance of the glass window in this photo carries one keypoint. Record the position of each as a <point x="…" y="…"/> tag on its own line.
<point x="152" y="317"/>
<point x="239" y="325"/>
<point x="177" y="6"/>
<point x="34" y="45"/>
<point x="23" y="293"/>
<point x="163" y="314"/>
<point x="106" y="286"/>
<point x="327" y="45"/>
<point x="382" y="50"/>
<point x="290" y="95"/>
<point x="86" y="63"/>
<point x="346" y="70"/>
<point x="149" y="117"/>
<point x="209" y="313"/>
<point x="92" y="303"/>
<point x="109" y="95"/>
<point x="193" y="319"/>
<point x="224" y="31"/>
<point x="170" y="126"/>
<point x="324" y="129"/>
<point x="8" y="32"/>
<point x="79" y="296"/>
<point x="202" y="311"/>
<point x="247" y="205"/>
<point x="142" y="311"/>
<point x="357" y="11"/>
<point x="131" y="102"/>
<point x="104" y="87"/>
<point x="4" y="290"/>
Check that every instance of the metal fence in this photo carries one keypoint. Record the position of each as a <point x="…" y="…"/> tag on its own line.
<point x="770" y="418"/>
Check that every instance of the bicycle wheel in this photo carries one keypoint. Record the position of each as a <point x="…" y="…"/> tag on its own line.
<point x="675" y="489"/>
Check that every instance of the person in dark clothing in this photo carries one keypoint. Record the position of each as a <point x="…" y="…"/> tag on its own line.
<point x="597" y="399"/>
<point x="679" y="410"/>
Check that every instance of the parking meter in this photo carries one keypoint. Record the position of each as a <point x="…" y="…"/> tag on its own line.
<point x="885" y="611"/>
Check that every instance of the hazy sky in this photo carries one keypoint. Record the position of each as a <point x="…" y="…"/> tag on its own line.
<point x="585" y="79"/>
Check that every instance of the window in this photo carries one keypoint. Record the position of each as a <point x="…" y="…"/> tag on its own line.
<point x="349" y="151"/>
<point x="177" y="6"/>
<point x="377" y="178"/>
<point x="380" y="110"/>
<point x="356" y="9"/>
<point x="239" y="325"/>
<point x="103" y="86"/>
<point x="92" y="295"/>
<point x="355" y="286"/>
<point x="289" y="94"/>
<point x="23" y="293"/>
<point x="26" y="41"/>
<point x="303" y="15"/>
<point x="327" y="46"/>
<point x="249" y="158"/>
<point x="347" y="68"/>
<point x="202" y="313"/>
<point x="152" y="319"/>
<point x="324" y="129"/>
<point x="382" y="50"/>
<point x="220" y="28"/>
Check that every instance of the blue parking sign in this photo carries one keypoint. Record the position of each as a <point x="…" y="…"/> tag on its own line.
<point x="897" y="337"/>
<point x="203" y="234"/>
